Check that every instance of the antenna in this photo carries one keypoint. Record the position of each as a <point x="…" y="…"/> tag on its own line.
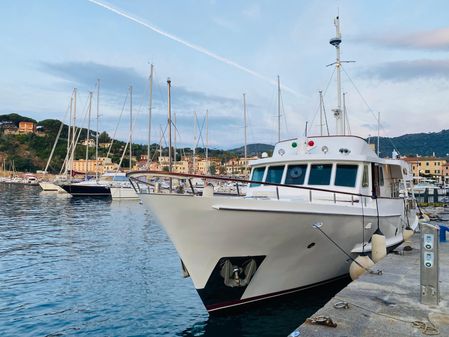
<point x="338" y="113"/>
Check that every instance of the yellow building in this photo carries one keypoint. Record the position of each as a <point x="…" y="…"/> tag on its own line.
<point x="104" y="165"/>
<point x="27" y="127"/>
<point x="427" y="166"/>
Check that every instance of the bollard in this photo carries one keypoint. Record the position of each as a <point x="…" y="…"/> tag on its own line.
<point x="429" y="266"/>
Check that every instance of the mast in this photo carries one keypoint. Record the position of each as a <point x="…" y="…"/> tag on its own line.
<point x="344" y="113"/>
<point x="337" y="111"/>
<point x="69" y="127"/>
<point x="150" y="103"/>
<point x="130" y="126"/>
<point x="73" y="132"/>
<point x="378" y="133"/>
<point x="207" y="141"/>
<point x="194" y="140"/>
<point x="244" y="125"/>
<point x="88" y="133"/>
<point x="174" y="147"/>
<point x="169" y="127"/>
<point x="98" y="130"/>
<point x="279" y="109"/>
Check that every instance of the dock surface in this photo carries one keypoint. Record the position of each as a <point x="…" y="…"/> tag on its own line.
<point x="387" y="304"/>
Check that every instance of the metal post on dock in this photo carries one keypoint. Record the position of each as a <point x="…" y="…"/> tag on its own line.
<point x="435" y="195"/>
<point x="429" y="267"/>
<point x="426" y="196"/>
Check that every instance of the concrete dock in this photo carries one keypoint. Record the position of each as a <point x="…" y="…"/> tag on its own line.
<point x="386" y="304"/>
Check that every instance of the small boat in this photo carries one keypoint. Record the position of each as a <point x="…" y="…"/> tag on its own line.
<point x="96" y="188"/>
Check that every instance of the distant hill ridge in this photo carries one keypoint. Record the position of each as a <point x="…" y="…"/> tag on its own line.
<point x="31" y="152"/>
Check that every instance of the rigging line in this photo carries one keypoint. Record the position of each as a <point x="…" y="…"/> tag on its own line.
<point x="200" y="129"/>
<point x="369" y="108"/>
<point x="324" y="94"/>
<point x="188" y="44"/>
<point x="118" y="123"/>
<point x="284" y="113"/>
<point x="325" y="116"/>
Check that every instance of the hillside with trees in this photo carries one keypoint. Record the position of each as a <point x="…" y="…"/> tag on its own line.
<point x="30" y="152"/>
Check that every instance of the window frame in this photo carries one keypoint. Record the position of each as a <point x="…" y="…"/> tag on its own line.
<point x="357" y="166"/>
<point x="268" y="169"/>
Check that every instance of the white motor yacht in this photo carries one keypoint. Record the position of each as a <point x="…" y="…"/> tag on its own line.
<point x="313" y="199"/>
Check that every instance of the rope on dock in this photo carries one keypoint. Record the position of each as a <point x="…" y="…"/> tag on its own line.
<point x="427" y="328"/>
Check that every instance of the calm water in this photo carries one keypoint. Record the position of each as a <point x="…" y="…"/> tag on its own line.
<point x="95" y="267"/>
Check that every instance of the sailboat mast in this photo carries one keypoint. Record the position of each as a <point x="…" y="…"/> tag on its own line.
<point x="69" y="129"/>
<point x="279" y="109"/>
<point x="98" y="129"/>
<point x="378" y="133"/>
<point x="169" y="126"/>
<point x="344" y="113"/>
<point x="174" y="138"/>
<point x="150" y="107"/>
<point x="244" y="124"/>
<point x="88" y="134"/>
<point x="194" y="141"/>
<point x="338" y="111"/>
<point x="130" y="126"/>
<point x="207" y="141"/>
<point x="73" y="132"/>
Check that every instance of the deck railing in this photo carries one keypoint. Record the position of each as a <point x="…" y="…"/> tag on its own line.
<point x="180" y="183"/>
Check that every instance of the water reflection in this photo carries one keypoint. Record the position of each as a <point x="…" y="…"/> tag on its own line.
<point x="277" y="317"/>
<point x="96" y="267"/>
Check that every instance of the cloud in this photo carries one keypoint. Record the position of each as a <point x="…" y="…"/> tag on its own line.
<point x="409" y="70"/>
<point x="436" y="39"/>
<point x="253" y="11"/>
<point x="226" y="24"/>
<point x="116" y="80"/>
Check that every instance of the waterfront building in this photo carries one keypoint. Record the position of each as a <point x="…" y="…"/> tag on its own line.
<point x="27" y="127"/>
<point x="90" y="165"/>
<point x="427" y="167"/>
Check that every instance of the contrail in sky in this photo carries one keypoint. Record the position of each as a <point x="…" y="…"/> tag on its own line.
<point x="190" y="45"/>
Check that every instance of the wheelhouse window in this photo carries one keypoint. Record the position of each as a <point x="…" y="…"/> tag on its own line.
<point x="346" y="175"/>
<point x="320" y="174"/>
<point x="257" y="175"/>
<point x="296" y="174"/>
<point x="274" y="174"/>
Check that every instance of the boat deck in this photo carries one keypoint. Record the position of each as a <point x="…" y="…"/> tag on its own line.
<point x="387" y="304"/>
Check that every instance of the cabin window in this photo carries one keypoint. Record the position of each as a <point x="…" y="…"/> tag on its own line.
<point x="320" y="174"/>
<point x="296" y="174"/>
<point x="257" y="175"/>
<point x="365" y="179"/>
<point x="381" y="176"/>
<point x="274" y="174"/>
<point x="346" y="175"/>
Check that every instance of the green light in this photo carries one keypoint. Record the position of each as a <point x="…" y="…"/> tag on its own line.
<point x="294" y="144"/>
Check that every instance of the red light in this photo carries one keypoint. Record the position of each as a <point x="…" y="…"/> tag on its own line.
<point x="310" y="143"/>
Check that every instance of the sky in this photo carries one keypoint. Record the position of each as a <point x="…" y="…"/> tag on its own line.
<point x="214" y="51"/>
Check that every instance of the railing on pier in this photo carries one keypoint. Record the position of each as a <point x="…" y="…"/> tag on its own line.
<point x="433" y="195"/>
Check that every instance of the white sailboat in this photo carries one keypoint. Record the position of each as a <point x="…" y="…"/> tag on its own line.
<point x="275" y="240"/>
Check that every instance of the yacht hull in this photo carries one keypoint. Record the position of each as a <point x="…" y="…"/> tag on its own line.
<point x="290" y="254"/>
<point x="87" y="190"/>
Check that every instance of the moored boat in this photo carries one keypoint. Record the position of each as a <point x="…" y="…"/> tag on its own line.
<point x="315" y="202"/>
